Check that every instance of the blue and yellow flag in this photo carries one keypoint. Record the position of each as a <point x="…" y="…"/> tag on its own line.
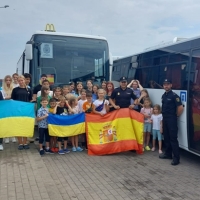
<point x="17" y="118"/>
<point x="66" y="125"/>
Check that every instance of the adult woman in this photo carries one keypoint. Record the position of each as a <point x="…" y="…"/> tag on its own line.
<point x="6" y="92"/>
<point x="79" y="87"/>
<point x="137" y="88"/>
<point x="15" y="81"/>
<point x="103" y="85"/>
<point x="22" y="93"/>
<point x="89" y="85"/>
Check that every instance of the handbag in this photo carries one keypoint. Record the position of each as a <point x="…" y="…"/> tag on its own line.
<point x="100" y="107"/>
<point x="89" y="110"/>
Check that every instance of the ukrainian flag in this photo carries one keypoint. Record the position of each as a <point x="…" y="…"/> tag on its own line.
<point x="117" y="131"/>
<point x="17" y="119"/>
<point x="66" y="125"/>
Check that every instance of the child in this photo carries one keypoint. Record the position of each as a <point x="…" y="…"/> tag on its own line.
<point x="94" y="94"/>
<point x="57" y="92"/>
<point x="82" y="100"/>
<point x="87" y="108"/>
<point x="44" y="94"/>
<point x="157" y="127"/>
<point x="42" y="115"/>
<point x="144" y="94"/>
<point x="79" y="88"/>
<point x="147" y="112"/>
<point x="53" y="108"/>
<point x="62" y="110"/>
<point x="65" y="90"/>
<point x="73" y="109"/>
<point x="101" y="105"/>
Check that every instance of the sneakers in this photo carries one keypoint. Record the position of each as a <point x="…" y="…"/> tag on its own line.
<point x="14" y="140"/>
<point x="1" y="147"/>
<point x="49" y="151"/>
<point x="66" y="150"/>
<point x="160" y="151"/>
<point x="61" y="152"/>
<point x="26" y="146"/>
<point x="79" y="149"/>
<point x="147" y="148"/>
<point x="73" y="149"/>
<point x="41" y="152"/>
<point x="153" y="149"/>
<point x="6" y="140"/>
<point x="20" y="147"/>
<point x="56" y="149"/>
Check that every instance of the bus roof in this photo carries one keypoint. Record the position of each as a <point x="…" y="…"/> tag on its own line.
<point x="70" y="35"/>
<point x="160" y="46"/>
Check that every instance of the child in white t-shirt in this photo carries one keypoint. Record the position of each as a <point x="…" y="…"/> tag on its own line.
<point x="82" y="100"/>
<point x="101" y="105"/>
<point x="156" y="119"/>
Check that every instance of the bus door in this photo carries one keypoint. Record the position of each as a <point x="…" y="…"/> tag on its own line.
<point x="194" y="101"/>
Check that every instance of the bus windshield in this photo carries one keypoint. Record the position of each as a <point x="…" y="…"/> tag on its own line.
<point x="66" y="59"/>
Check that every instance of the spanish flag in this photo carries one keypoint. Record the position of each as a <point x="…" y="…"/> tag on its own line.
<point x="117" y="131"/>
<point x="66" y="125"/>
<point x="17" y="119"/>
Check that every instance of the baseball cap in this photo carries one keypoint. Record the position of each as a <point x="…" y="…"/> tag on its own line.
<point x="123" y="78"/>
<point x="167" y="81"/>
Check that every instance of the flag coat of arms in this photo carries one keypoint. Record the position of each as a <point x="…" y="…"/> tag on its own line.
<point x="117" y="131"/>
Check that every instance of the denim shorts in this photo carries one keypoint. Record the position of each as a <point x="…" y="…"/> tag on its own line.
<point x="147" y="127"/>
<point x="156" y="133"/>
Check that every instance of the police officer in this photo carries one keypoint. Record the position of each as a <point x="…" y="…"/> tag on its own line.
<point x="121" y="96"/>
<point x="172" y="108"/>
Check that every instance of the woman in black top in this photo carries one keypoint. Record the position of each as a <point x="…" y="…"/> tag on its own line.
<point x="22" y="93"/>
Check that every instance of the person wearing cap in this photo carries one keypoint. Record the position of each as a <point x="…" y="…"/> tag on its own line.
<point x="172" y="108"/>
<point x="121" y="96"/>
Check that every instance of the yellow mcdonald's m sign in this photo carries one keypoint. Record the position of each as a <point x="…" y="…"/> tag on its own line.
<point x="50" y="27"/>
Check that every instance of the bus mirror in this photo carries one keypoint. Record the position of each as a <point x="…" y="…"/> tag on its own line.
<point x="110" y="59"/>
<point x="29" y="50"/>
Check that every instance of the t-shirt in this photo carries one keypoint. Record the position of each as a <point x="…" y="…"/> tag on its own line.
<point x="62" y="111"/>
<point x="42" y="112"/>
<point x="39" y="102"/>
<point x="50" y="93"/>
<point x="87" y="105"/>
<point x="137" y="94"/>
<point x="99" y="102"/>
<point x="15" y="85"/>
<point x="94" y="97"/>
<point x="21" y="94"/>
<point x="147" y="111"/>
<point x="51" y="110"/>
<point x="156" y="121"/>
<point x="38" y="87"/>
<point x="80" y="105"/>
<point x="75" y="110"/>
<point x="4" y="93"/>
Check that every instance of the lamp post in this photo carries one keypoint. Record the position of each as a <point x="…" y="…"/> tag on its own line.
<point x="6" y="6"/>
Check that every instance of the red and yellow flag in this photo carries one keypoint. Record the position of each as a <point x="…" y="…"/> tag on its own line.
<point x="117" y="131"/>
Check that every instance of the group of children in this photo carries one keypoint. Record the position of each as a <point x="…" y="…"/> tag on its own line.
<point x="64" y="101"/>
<point x="152" y="122"/>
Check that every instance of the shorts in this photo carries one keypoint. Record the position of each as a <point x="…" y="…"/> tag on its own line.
<point x="43" y="135"/>
<point x="59" y="139"/>
<point x="156" y="133"/>
<point x="147" y="127"/>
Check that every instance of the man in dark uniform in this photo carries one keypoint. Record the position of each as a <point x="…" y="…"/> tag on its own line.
<point x="172" y="108"/>
<point x="121" y="96"/>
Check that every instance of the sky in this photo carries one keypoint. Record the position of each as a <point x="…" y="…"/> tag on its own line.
<point x="130" y="26"/>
